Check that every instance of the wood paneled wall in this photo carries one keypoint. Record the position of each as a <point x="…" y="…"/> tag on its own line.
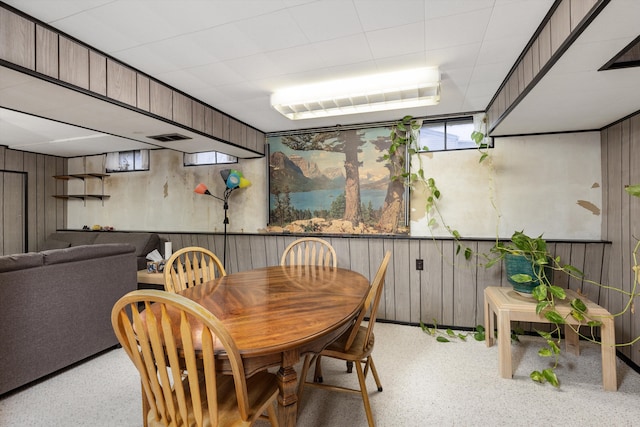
<point x="621" y="221"/>
<point x="567" y="20"/>
<point x="45" y="51"/>
<point x="45" y="213"/>
<point x="449" y="290"/>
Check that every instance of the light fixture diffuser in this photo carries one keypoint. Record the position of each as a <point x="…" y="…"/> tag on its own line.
<point x="380" y="92"/>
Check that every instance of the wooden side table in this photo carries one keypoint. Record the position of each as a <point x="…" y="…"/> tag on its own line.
<point x="152" y="280"/>
<point x="503" y="304"/>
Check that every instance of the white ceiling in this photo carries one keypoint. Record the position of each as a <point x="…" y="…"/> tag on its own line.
<point x="232" y="54"/>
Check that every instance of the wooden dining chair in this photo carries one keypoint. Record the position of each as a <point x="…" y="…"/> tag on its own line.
<point x="309" y="251"/>
<point x="355" y="345"/>
<point x="191" y="266"/>
<point x="174" y="348"/>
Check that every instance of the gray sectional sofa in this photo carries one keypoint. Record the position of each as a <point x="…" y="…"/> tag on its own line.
<point x="143" y="242"/>
<point x="55" y="307"/>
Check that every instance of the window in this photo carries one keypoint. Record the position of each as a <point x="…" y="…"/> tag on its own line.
<point x="432" y="137"/>
<point x="208" y="158"/>
<point x="127" y="161"/>
<point x="445" y="135"/>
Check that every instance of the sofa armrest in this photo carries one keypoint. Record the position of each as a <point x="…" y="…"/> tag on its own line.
<point x="20" y="261"/>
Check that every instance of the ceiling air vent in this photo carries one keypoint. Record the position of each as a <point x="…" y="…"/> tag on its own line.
<point x="168" y="137"/>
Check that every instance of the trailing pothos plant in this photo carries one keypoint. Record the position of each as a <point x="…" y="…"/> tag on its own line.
<point x="408" y="167"/>
<point x="546" y="295"/>
<point x="449" y="335"/>
<point x="404" y="150"/>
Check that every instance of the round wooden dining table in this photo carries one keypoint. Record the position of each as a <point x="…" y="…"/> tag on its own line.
<point x="277" y="314"/>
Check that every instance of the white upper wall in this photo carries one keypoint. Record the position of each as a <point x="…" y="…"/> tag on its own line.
<point x="162" y="199"/>
<point x="540" y="184"/>
<point x="548" y="184"/>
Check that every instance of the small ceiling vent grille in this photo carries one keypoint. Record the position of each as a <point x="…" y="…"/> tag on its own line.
<point x="168" y="137"/>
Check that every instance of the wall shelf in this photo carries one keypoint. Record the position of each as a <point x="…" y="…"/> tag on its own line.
<point x="81" y="196"/>
<point x="83" y="177"/>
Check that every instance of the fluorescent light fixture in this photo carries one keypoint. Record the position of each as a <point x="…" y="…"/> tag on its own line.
<point x="388" y="91"/>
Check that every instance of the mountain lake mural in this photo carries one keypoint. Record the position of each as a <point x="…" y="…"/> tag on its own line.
<point x="334" y="182"/>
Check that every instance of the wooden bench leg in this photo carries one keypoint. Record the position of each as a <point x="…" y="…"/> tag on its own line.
<point x="571" y="340"/>
<point x="489" y="322"/>
<point x="608" y="337"/>
<point x="504" y="344"/>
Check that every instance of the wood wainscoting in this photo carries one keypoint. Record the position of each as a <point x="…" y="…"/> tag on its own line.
<point x="448" y="290"/>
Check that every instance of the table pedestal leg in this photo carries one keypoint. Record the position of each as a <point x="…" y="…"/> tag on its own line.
<point x="288" y="384"/>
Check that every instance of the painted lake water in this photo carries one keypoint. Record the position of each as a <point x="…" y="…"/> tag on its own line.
<point x="322" y="199"/>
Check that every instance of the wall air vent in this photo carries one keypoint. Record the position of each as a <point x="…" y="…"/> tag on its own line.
<point x="168" y="137"/>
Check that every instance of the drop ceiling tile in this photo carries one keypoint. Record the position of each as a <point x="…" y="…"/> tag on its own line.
<point x="215" y="74"/>
<point x="188" y="82"/>
<point x="180" y="14"/>
<point x="485" y="74"/>
<point x="183" y="51"/>
<point x="218" y="41"/>
<point x="326" y="20"/>
<point x="172" y="54"/>
<point x="408" y="61"/>
<point x="501" y="50"/>
<point x="345" y="50"/>
<point x="458" y="77"/>
<point x="62" y="9"/>
<point x="503" y="26"/>
<point x="276" y="30"/>
<point x="435" y="9"/>
<point x="454" y="57"/>
<point x="456" y="30"/>
<point x="295" y="59"/>
<point x="474" y="103"/>
<point x="149" y="60"/>
<point x="96" y="32"/>
<point x="255" y="67"/>
<point x="479" y="93"/>
<point x="395" y="41"/>
<point x="377" y="15"/>
<point x="239" y="91"/>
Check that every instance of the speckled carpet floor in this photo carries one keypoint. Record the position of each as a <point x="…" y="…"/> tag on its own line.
<point x="426" y="383"/>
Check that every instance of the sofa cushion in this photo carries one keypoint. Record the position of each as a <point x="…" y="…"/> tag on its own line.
<point x="143" y="242"/>
<point x="55" y="244"/>
<point x="78" y="253"/>
<point x="20" y="261"/>
<point x="75" y="238"/>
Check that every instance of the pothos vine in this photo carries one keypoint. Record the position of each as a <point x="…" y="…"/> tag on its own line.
<point x="402" y="154"/>
<point x="404" y="150"/>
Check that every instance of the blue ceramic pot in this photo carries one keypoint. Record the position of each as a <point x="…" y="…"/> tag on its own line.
<point x="520" y="264"/>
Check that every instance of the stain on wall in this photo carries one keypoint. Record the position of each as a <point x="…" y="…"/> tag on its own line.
<point x="589" y="206"/>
